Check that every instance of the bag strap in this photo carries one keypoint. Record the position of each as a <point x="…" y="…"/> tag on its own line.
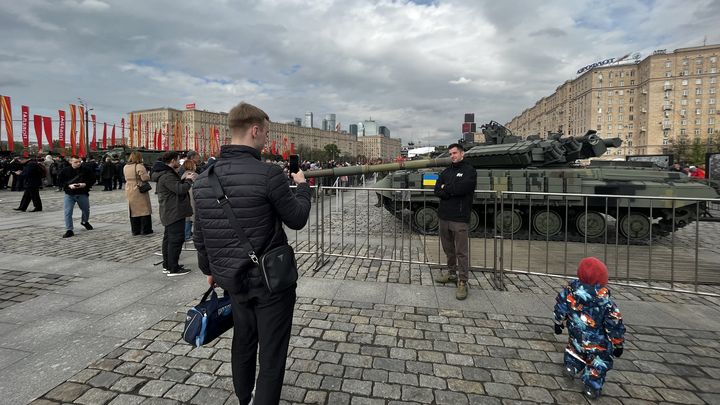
<point x="139" y="179"/>
<point x="205" y="296"/>
<point x="223" y="201"/>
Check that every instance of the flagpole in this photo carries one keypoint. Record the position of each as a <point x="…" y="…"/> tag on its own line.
<point x="87" y="116"/>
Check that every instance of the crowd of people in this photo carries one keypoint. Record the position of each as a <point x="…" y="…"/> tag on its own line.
<point x="692" y="171"/>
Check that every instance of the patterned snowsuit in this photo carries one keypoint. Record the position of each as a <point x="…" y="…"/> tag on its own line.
<point x="595" y="327"/>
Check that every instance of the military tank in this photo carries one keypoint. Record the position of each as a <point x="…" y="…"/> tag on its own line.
<point x="505" y="162"/>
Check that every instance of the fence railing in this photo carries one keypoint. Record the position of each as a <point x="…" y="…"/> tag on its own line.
<point x="650" y="242"/>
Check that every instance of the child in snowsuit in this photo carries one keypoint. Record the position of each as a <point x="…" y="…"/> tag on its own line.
<point x="594" y="323"/>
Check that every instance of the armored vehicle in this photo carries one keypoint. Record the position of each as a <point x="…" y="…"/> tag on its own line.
<point x="507" y="163"/>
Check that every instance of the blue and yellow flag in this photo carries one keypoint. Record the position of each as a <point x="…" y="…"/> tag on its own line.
<point x="429" y="179"/>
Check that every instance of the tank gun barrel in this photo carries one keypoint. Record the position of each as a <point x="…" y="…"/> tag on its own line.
<point x="612" y="142"/>
<point x="385" y="167"/>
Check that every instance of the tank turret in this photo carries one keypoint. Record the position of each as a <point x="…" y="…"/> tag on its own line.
<point x="501" y="149"/>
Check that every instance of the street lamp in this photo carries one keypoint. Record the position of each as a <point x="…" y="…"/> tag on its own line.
<point x="87" y="126"/>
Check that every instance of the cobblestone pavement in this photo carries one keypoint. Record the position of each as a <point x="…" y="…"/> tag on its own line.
<point x="20" y="286"/>
<point x="345" y="352"/>
<point x="348" y="268"/>
<point x="53" y="201"/>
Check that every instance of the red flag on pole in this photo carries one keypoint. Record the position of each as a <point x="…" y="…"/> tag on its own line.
<point x="292" y="148"/>
<point x="147" y="135"/>
<point x="187" y="138"/>
<point x="93" y="143"/>
<point x="25" y="111"/>
<point x="47" y="124"/>
<point x="138" y="139"/>
<point x="131" y="135"/>
<point x="82" y="140"/>
<point x="196" y="142"/>
<point x="112" y="137"/>
<point x="7" y="112"/>
<point x="61" y="132"/>
<point x="37" y="122"/>
<point x="104" y="141"/>
<point x="122" y="130"/>
<point x="73" y="140"/>
<point x="273" y="148"/>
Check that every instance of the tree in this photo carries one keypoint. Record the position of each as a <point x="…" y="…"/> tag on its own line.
<point x="697" y="153"/>
<point x="679" y="147"/>
<point x="332" y="152"/>
<point x="713" y="142"/>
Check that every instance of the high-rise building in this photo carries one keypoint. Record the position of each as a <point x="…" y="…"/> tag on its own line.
<point x="298" y="121"/>
<point x="330" y="118"/>
<point x="324" y="124"/>
<point x="308" y="120"/>
<point x="370" y="128"/>
<point x="353" y="129"/>
<point x="384" y="131"/>
<point x="647" y="103"/>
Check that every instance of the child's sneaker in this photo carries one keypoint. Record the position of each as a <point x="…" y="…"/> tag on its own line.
<point x="591" y="393"/>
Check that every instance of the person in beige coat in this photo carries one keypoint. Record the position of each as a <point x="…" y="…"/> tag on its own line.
<point x="138" y="203"/>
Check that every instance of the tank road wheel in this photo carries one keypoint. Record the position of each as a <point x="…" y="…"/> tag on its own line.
<point x="595" y="224"/>
<point x="508" y="222"/>
<point x="547" y="223"/>
<point x="635" y="226"/>
<point x="426" y="219"/>
<point x="474" y="220"/>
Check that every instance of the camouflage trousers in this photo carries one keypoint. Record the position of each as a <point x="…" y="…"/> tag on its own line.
<point x="593" y="365"/>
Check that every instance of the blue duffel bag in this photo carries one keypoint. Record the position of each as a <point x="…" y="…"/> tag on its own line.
<point x="209" y="319"/>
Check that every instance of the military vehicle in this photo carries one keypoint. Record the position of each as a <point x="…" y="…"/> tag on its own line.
<point x="507" y="163"/>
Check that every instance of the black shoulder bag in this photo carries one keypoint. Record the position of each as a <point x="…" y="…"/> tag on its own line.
<point x="278" y="266"/>
<point x="145" y="186"/>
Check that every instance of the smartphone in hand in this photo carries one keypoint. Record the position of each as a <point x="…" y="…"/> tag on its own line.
<point x="294" y="163"/>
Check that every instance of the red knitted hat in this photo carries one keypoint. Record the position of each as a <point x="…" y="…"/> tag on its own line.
<point x="592" y="271"/>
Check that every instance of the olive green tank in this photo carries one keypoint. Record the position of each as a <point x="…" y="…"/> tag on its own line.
<point x="507" y="163"/>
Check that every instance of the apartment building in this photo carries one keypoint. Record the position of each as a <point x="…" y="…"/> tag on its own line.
<point x="646" y="103"/>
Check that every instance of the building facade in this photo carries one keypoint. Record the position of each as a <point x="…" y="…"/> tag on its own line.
<point x="379" y="147"/>
<point x="285" y="135"/>
<point x="648" y="103"/>
<point x="308" y="122"/>
<point x="180" y="128"/>
<point x="195" y="126"/>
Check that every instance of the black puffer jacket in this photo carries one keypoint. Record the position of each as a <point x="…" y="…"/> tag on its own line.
<point x="173" y="196"/>
<point x="259" y="194"/>
<point x="455" y="187"/>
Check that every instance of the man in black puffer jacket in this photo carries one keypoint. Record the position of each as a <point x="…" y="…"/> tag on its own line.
<point x="174" y="201"/>
<point x="260" y="197"/>
<point x="456" y="187"/>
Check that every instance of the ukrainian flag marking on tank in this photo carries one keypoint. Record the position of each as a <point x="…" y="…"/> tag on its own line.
<point x="429" y="179"/>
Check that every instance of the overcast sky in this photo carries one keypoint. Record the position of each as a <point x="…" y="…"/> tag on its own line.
<point x="414" y="66"/>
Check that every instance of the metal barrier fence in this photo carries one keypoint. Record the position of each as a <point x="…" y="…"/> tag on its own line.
<point x="648" y="242"/>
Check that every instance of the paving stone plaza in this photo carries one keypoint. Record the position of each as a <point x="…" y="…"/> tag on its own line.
<point x="92" y="320"/>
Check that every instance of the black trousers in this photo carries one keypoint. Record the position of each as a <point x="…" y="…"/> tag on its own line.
<point x="107" y="182"/>
<point x="173" y="239"/>
<point x="31" y="193"/>
<point x="265" y="319"/>
<point x="141" y="225"/>
<point x="17" y="182"/>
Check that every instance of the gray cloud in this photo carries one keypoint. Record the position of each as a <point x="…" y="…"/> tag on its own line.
<point x="413" y="67"/>
<point x="550" y="32"/>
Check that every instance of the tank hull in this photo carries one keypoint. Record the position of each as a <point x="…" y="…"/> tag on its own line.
<point x="554" y="204"/>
